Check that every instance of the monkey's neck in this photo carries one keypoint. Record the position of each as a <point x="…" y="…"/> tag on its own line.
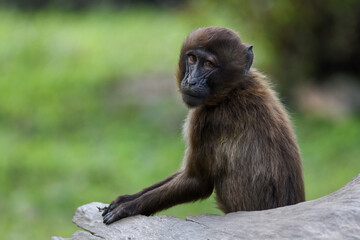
<point x="254" y="80"/>
<point x="254" y="84"/>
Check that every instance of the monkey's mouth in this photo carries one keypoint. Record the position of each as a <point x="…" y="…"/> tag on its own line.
<point x="193" y="100"/>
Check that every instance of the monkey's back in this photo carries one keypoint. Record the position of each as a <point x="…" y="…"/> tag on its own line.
<point x="259" y="164"/>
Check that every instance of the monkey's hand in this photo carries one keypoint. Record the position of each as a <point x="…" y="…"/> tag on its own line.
<point x="121" y="211"/>
<point x="117" y="202"/>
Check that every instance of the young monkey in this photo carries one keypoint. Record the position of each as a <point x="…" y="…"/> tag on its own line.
<point x="240" y="141"/>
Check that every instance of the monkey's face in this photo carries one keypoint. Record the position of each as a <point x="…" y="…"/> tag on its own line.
<point x="200" y="66"/>
<point x="213" y="61"/>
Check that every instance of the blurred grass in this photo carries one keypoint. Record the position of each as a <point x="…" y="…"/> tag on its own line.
<point x="67" y="138"/>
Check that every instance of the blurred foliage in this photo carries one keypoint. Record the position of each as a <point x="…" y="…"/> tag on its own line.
<point x="76" y="5"/>
<point x="66" y="136"/>
<point x="72" y="132"/>
<point x="308" y="40"/>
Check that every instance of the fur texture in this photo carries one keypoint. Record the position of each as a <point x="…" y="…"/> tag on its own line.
<point x="239" y="142"/>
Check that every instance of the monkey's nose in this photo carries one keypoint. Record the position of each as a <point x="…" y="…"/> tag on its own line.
<point x="193" y="81"/>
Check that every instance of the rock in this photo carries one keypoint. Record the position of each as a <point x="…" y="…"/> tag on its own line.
<point x="335" y="216"/>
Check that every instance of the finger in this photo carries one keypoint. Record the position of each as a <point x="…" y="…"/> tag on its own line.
<point x="113" y="206"/>
<point x="108" y="217"/>
<point x="113" y="217"/>
<point x="106" y="210"/>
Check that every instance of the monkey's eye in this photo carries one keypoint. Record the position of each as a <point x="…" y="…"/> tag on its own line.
<point x="191" y="59"/>
<point x="209" y="65"/>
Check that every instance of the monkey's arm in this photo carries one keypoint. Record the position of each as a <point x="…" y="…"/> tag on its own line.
<point x="181" y="188"/>
<point x="125" y="198"/>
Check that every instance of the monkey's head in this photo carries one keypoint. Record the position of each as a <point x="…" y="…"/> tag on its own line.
<point x="213" y="61"/>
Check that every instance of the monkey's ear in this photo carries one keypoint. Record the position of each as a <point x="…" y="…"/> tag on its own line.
<point x="249" y="59"/>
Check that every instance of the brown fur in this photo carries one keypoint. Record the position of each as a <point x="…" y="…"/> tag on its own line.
<point x="240" y="142"/>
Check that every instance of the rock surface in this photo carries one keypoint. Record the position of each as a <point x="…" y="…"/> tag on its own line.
<point x="335" y="216"/>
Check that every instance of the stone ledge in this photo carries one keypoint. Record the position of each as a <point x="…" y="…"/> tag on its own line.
<point x="335" y="216"/>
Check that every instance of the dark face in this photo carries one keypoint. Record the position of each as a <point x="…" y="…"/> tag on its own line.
<point x="194" y="87"/>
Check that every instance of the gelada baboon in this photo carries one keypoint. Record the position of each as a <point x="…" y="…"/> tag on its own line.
<point x="239" y="137"/>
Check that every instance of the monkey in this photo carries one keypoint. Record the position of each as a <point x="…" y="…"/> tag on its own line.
<point x="239" y="138"/>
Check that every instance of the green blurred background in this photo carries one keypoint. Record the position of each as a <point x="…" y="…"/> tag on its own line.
<point x="89" y="108"/>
